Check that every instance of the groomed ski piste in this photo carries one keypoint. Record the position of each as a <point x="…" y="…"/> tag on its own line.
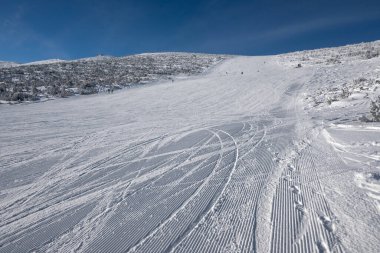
<point x="242" y="158"/>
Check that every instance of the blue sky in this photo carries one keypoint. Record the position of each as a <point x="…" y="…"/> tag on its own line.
<point x="67" y="29"/>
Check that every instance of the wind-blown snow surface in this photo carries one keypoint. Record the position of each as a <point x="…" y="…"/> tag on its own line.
<point x="230" y="161"/>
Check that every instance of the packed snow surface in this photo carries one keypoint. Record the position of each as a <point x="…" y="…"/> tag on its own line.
<point x="249" y="157"/>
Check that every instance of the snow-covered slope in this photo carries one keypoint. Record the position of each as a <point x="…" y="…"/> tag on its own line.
<point x="6" y="64"/>
<point x="50" y="61"/>
<point x="55" y="78"/>
<point x="239" y="159"/>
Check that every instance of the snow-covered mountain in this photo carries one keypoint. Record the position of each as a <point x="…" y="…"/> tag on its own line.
<point x="50" y="61"/>
<point x="6" y="64"/>
<point x="57" y="78"/>
<point x="258" y="154"/>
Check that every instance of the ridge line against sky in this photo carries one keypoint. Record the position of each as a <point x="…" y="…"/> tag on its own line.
<point x="41" y="29"/>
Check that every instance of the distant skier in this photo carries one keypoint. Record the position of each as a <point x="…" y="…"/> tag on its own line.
<point x="242" y="72"/>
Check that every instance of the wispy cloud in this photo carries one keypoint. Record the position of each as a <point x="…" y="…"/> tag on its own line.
<point x="247" y="39"/>
<point x="314" y="25"/>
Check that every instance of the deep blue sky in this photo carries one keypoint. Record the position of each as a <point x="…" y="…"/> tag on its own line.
<point x="67" y="29"/>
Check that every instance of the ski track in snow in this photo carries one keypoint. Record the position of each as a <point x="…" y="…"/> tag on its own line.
<point x="224" y="162"/>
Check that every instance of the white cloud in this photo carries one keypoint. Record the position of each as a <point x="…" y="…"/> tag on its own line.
<point x="314" y="25"/>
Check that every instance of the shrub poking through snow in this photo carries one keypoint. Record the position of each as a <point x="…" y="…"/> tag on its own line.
<point x="371" y="52"/>
<point x="375" y="109"/>
<point x="345" y="93"/>
<point x="88" y="76"/>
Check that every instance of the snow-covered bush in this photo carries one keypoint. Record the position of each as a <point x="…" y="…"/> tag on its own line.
<point x="53" y="90"/>
<point x="359" y="80"/>
<point x="332" y="56"/>
<point x="21" y="96"/>
<point x="333" y="60"/>
<point x="99" y="72"/>
<point x="371" y="53"/>
<point x="345" y="93"/>
<point x="375" y="109"/>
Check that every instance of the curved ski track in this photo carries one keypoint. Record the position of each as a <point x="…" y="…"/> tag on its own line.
<point x="242" y="176"/>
